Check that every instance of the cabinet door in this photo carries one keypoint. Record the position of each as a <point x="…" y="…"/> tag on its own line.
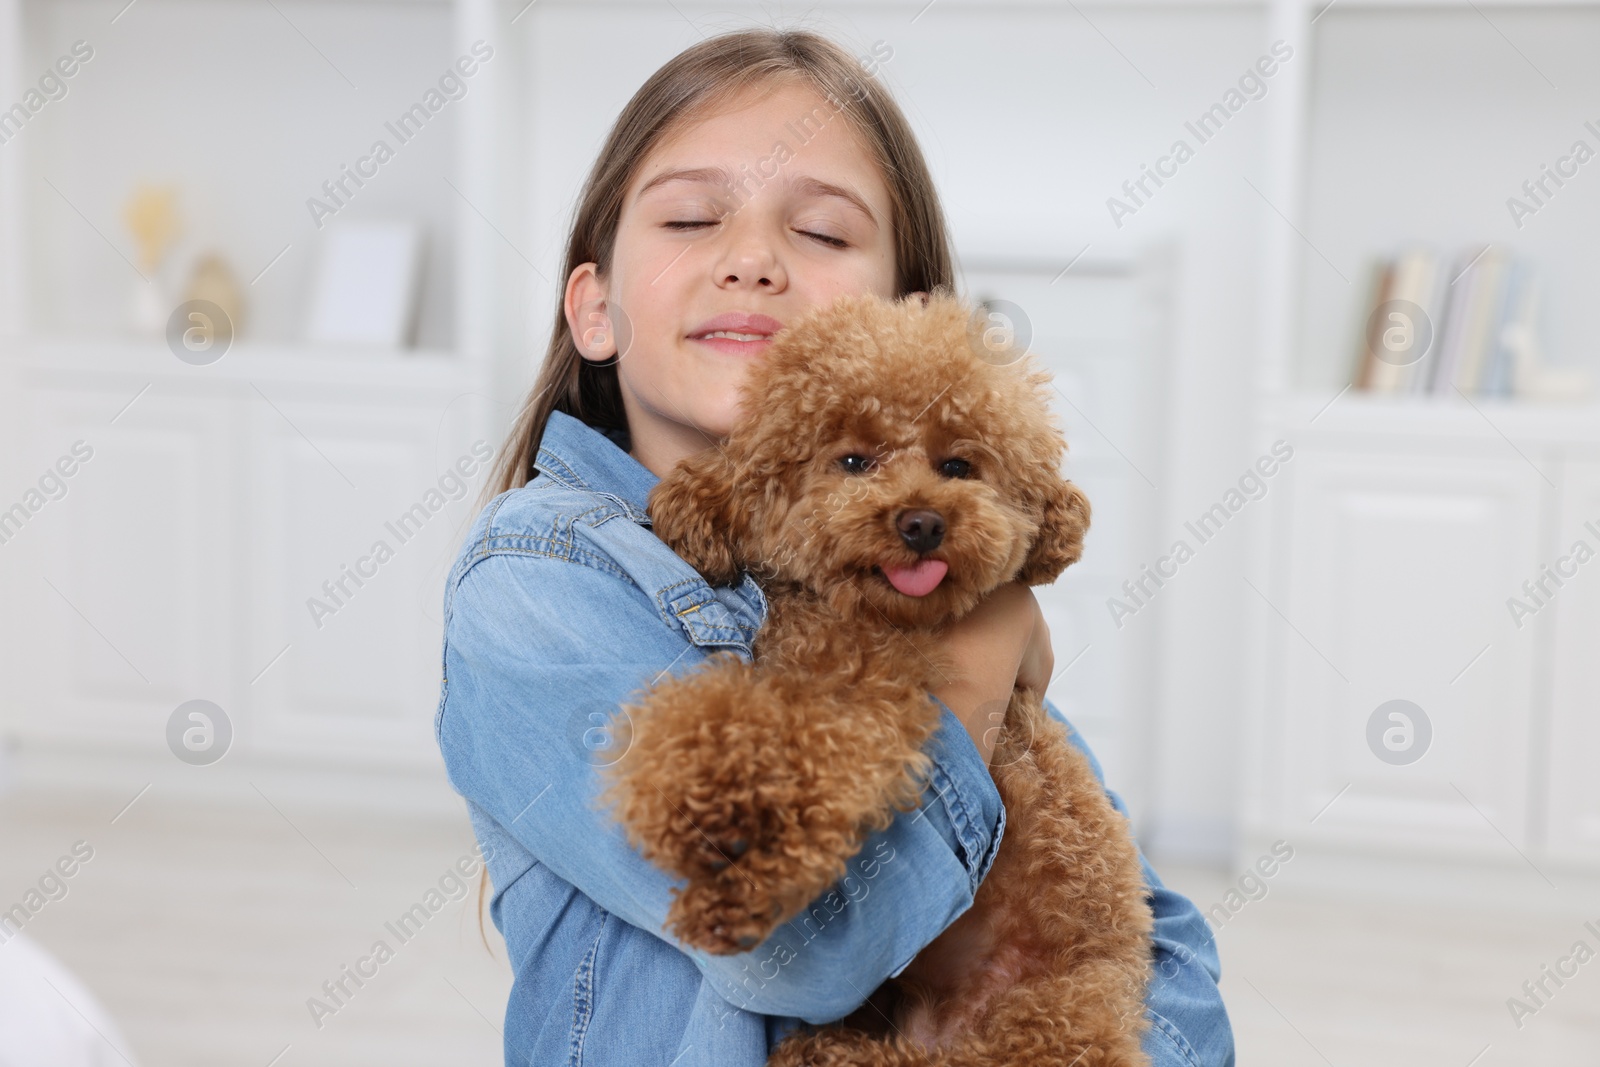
<point x="122" y="585"/>
<point x="1574" y="796"/>
<point x="348" y="561"/>
<point x="1399" y="563"/>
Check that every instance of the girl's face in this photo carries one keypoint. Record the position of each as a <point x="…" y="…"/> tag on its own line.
<point x="757" y="213"/>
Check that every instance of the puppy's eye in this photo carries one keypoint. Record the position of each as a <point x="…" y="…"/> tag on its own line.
<point x="857" y="464"/>
<point x="955" y="468"/>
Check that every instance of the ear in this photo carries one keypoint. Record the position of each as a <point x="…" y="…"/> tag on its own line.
<point x="697" y="511"/>
<point x="1059" y="541"/>
<point x="589" y="318"/>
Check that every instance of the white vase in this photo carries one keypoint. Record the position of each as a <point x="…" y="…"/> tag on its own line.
<point x="150" y="308"/>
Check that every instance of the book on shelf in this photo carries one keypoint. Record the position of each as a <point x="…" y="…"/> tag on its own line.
<point x="1432" y="325"/>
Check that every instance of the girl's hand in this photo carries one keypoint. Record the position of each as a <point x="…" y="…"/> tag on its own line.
<point x="1038" y="659"/>
<point x="1001" y="644"/>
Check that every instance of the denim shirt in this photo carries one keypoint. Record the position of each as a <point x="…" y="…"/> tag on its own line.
<point x="563" y="604"/>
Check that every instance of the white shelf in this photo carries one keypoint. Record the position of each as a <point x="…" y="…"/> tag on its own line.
<point x="1356" y="412"/>
<point x="382" y="370"/>
<point x="1464" y="5"/>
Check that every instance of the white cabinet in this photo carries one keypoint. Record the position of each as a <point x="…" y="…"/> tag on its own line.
<point x="217" y="509"/>
<point x="120" y="608"/>
<point x="1575" y="690"/>
<point x="1402" y="541"/>
<point x="1398" y="565"/>
<point x="346" y="572"/>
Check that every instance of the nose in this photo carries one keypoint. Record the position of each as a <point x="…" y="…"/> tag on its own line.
<point x="748" y="262"/>
<point x="921" y="528"/>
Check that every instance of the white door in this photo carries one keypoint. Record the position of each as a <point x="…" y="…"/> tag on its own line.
<point x="1092" y="330"/>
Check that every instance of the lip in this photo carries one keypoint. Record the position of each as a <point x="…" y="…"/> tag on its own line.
<point x="738" y="322"/>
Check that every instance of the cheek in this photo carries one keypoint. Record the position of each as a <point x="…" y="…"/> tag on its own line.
<point x="859" y="275"/>
<point x="651" y="277"/>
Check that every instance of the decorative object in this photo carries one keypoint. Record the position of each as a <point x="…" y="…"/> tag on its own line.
<point x="151" y="215"/>
<point x="365" y="285"/>
<point x="213" y="280"/>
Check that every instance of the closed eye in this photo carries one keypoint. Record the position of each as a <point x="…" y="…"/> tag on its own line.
<point x="695" y="224"/>
<point x="832" y="242"/>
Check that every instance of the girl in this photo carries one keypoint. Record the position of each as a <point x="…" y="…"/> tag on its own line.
<point x="754" y="175"/>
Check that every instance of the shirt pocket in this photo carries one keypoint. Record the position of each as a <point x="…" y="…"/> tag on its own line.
<point x="711" y="617"/>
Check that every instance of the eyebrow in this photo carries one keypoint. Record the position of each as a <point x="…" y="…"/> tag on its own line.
<point x="804" y="184"/>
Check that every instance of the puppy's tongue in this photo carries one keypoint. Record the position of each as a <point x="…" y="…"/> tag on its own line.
<point x="919" y="579"/>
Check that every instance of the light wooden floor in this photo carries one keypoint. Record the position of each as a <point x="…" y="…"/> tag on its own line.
<point x="1314" y="978"/>
<point x="204" y="931"/>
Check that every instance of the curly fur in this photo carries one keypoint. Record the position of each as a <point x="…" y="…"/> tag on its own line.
<point x="757" y="781"/>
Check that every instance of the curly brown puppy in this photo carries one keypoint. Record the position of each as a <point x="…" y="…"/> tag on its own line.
<point x="888" y="472"/>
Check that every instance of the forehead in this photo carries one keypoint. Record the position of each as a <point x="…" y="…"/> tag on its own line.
<point x="786" y="127"/>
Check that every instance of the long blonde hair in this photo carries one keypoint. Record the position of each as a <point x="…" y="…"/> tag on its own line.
<point x="692" y="84"/>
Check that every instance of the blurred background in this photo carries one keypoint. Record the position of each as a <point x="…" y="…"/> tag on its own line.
<point x="1312" y="280"/>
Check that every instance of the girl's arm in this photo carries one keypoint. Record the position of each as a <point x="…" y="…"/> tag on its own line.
<point x="540" y="651"/>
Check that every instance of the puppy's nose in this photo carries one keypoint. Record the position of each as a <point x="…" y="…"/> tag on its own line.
<point x="921" y="528"/>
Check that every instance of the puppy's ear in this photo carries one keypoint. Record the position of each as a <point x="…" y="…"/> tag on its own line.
<point x="697" y="510"/>
<point x="1059" y="541"/>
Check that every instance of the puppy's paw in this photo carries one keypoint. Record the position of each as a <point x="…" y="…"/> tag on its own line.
<point x="707" y="781"/>
<point x="699" y="824"/>
<point x="723" y="916"/>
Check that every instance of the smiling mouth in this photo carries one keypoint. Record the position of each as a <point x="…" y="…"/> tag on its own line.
<point x="733" y="341"/>
<point x="734" y="335"/>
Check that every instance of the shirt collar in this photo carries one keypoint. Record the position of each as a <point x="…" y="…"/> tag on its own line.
<point x="579" y="455"/>
<point x="597" y="461"/>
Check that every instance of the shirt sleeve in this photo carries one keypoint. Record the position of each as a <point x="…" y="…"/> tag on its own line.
<point x="1189" y="1024"/>
<point x="539" y="652"/>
